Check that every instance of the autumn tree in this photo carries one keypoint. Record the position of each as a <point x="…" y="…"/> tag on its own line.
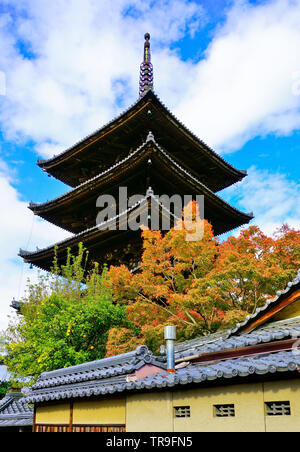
<point x="200" y="286"/>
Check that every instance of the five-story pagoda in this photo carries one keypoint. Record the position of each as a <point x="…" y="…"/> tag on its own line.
<point x="144" y="147"/>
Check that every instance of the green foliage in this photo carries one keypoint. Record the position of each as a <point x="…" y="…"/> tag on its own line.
<point x="4" y="387"/>
<point x="71" y="316"/>
<point x="65" y="320"/>
<point x="2" y="343"/>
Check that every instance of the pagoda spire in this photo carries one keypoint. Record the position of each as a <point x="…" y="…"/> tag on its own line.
<point x="146" y="73"/>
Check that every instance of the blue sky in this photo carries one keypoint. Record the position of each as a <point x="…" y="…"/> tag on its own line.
<point x="229" y="70"/>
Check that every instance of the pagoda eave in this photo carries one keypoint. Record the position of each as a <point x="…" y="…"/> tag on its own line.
<point x="102" y="148"/>
<point x="168" y="174"/>
<point x="121" y="245"/>
<point x="104" y="246"/>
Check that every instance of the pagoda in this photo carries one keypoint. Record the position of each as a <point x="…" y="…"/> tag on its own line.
<point x="147" y="150"/>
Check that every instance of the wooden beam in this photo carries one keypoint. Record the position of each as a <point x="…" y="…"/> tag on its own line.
<point x="34" y="420"/>
<point x="277" y="307"/>
<point x="71" y="416"/>
<point x="270" y="347"/>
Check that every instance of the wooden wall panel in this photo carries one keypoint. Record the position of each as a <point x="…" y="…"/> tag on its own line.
<point x="39" y="428"/>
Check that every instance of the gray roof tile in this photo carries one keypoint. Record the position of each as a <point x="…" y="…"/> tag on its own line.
<point x="14" y="411"/>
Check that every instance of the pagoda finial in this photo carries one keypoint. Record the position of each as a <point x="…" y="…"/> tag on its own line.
<point x="146" y="74"/>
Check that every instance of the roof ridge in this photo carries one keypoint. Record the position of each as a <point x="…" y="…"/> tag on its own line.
<point x="196" y="374"/>
<point x="140" y="352"/>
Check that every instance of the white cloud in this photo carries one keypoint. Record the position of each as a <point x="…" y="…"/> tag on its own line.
<point x="17" y="227"/>
<point x="270" y="196"/>
<point x="246" y="84"/>
<point x="82" y="48"/>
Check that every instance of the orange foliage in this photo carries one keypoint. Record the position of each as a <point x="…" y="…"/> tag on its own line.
<point x="200" y="286"/>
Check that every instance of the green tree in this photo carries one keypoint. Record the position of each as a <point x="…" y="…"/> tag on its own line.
<point x="4" y="385"/>
<point x="2" y="343"/>
<point x="65" y="320"/>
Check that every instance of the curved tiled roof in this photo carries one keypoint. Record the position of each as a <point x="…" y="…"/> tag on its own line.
<point x="102" y="369"/>
<point x="231" y="338"/>
<point x="98" y="376"/>
<point x="225" y="340"/>
<point x="272" y="363"/>
<point x="14" y="411"/>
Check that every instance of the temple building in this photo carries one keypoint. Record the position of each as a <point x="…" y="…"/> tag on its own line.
<point x="150" y="152"/>
<point x="244" y="379"/>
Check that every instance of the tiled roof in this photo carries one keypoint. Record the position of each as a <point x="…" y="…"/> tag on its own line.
<point x="281" y="362"/>
<point x="275" y="331"/>
<point x="14" y="411"/>
<point x="110" y="375"/>
<point x="104" y="376"/>
<point x="234" y="337"/>
<point x="239" y="367"/>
